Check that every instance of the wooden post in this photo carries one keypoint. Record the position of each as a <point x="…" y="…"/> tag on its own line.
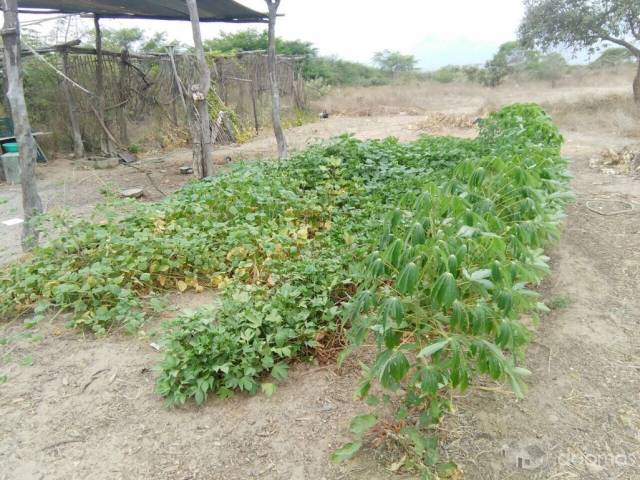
<point x="255" y="107"/>
<point x="636" y="83"/>
<point x="122" y="97"/>
<point x="31" y="203"/>
<point x="105" y="144"/>
<point x="283" y="149"/>
<point x="5" y="99"/>
<point x="201" y="123"/>
<point x="78" y="145"/>
<point x="228" y="126"/>
<point x="176" y="78"/>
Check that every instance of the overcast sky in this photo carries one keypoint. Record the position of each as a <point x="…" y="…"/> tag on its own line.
<point x="437" y="32"/>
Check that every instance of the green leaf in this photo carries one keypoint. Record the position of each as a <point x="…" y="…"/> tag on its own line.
<point x="280" y="371"/>
<point x="200" y="396"/>
<point x="417" y="234"/>
<point x="362" y="424"/>
<point x="447" y="470"/>
<point x="394" y="252"/>
<point x="268" y="389"/>
<point x="408" y="279"/>
<point x="344" y="354"/>
<point x="433" y="348"/>
<point x="517" y="386"/>
<point x="394" y="309"/>
<point x="445" y="290"/>
<point x="345" y="452"/>
<point x="458" y="316"/>
<point x="452" y="264"/>
<point x="377" y="268"/>
<point x="394" y="370"/>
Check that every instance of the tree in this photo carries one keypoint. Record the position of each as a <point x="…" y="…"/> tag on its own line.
<point x="252" y="40"/>
<point x="584" y="24"/>
<point x="550" y="67"/>
<point x="283" y="149"/>
<point x="511" y="57"/>
<point x="332" y="70"/>
<point x="612" y="57"/>
<point x="394" y="62"/>
<point x="119" y="38"/>
<point x="156" y="43"/>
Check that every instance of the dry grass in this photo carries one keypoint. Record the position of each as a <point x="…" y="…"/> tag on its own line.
<point x="625" y="161"/>
<point x="584" y="94"/>
<point x="610" y="113"/>
<point x="439" y="121"/>
<point x="591" y="99"/>
<point x="402" y="98"/>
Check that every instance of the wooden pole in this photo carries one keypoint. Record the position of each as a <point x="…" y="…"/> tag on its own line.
<point x="5" y="99"/>
<point x="31" y="202"/>
<point x="283" y="149"/>
<point x="122" y="87"/>
<point x="105" y="144"/>
<point x="201" y="123"/>
<point x="78" y="145"/>
<point x="256" y="124"/>
<point x="636" y="83"/>
<point x="176" y="78"/>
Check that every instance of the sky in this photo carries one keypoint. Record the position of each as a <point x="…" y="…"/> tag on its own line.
<point x="436" y="32"/>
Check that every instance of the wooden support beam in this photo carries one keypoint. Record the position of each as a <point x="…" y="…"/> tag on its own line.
<point x="78" y="145"/>
<point x="122" y="87"/>
<point x="283" y="149"/>
<point x="31" y="202"/>
<point x="106" y="145"/>
<point x="177" y="81"/>
<point x="200" y="121"/>
<point x="254" y="106"/>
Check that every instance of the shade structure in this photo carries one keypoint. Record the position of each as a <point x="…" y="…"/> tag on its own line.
<point x="210" y="10"/>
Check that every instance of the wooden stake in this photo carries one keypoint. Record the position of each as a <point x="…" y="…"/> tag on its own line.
<point x="31" y="202"/>
<point x="201" y="123"/>
<point x="256" y="124"/>
<point x="78" y="145"/>
<point x="283" y="149"/>
<point x="104" y="127"/>
<point x="122" y="87"/>
<point x="176" y="78"/>
<point x="105" y="143"/>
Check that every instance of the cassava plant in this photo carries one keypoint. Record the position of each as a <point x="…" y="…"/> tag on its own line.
<point x="446" y="289"/>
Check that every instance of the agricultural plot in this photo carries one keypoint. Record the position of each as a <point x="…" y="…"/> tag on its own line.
<point x="426" y="247"/>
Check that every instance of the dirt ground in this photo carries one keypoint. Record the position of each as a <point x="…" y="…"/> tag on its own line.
<point x="75" y="407"/>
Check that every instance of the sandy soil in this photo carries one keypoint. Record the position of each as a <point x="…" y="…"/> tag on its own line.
<point x="73" y="406"/>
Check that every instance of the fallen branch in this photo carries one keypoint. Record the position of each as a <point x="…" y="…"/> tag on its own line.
<point x="63" y="442"/>
<point x="104" y="127"/>
<point x="92" y="379"/>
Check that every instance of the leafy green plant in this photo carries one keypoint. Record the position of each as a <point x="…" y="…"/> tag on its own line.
<point x="281" y="240"/>
<point x="134" y="148"/>
<point x="342" y="189"/>
<point x="445" y="291"/>
<point x="559" y="302"/>
<point x="440" y="238"/>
